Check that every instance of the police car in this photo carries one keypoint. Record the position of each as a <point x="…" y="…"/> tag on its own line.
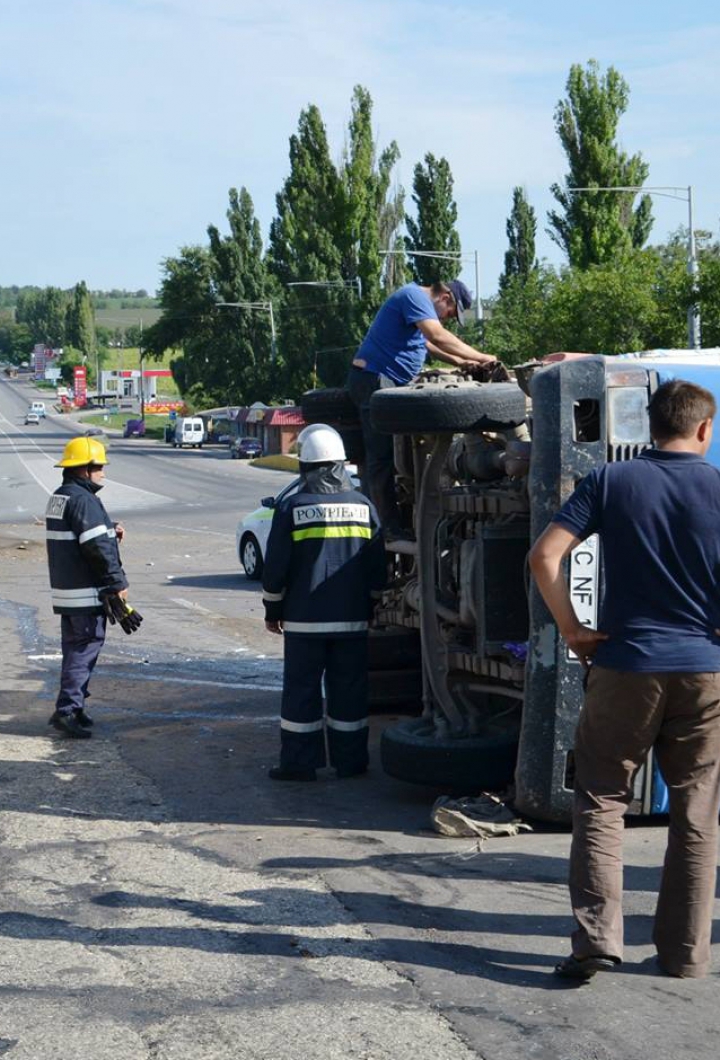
<point x="252" y="532"/>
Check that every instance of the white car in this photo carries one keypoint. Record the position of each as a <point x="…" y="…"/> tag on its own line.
<point x="32" y="418"/>
<point x="253" y="531"/>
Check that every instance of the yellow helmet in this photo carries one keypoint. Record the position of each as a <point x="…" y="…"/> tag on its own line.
<point x="79" y="452"/>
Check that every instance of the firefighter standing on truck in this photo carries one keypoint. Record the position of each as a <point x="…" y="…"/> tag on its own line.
<point x="87" y="581"/>
<point x="324" y="568"/>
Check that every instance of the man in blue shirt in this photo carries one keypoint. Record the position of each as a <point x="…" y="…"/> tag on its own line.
<point x="408" y="327"/>
<point x="654" y="682"/>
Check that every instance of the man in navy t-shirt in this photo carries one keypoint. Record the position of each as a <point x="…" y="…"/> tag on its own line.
<point x="407" y="328"/>
<point x="654" y="680"/>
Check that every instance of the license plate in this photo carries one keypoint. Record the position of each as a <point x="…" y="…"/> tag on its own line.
<point x="583" y="584"/>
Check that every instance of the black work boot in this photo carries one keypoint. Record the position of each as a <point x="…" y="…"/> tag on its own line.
<point x="83" y="718"/>
<point x="69" y="724"/>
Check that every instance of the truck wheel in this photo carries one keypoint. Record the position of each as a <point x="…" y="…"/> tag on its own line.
<point x="430" y="408"/>
<point x="330" y="405"/>
<point x="251" y="557"/>
<point x="411" y="751"/>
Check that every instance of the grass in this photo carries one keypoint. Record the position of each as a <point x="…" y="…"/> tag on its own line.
<point x="115" y="359"/>
<point x="117" y="420"/>
<point x="279" y="462"/>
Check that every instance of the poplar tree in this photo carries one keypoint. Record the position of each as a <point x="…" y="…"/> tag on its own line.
<point x="521" y="226"/>
<point x="80" y="322"/>
<point x="435" y="225"/>
<point x="595" y="228"/>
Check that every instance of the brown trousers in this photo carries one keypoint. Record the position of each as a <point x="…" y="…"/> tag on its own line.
<point x="625" y="714"/>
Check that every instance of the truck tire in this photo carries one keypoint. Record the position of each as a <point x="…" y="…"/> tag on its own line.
<point x="331" y="405"/>
<point x="431" y="408"/>
<point x="485" y="762"/>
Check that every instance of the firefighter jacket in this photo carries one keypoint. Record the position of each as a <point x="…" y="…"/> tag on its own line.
<point x="325" y="560"/>
<point x="83" y="553"/>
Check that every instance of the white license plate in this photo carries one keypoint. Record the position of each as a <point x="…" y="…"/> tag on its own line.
<point x="583" y="584"/>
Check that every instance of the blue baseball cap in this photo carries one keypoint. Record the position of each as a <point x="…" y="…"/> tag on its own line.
<point x="462" y="296"/>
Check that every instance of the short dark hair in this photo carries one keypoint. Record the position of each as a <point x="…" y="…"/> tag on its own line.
<point x="677" y="407"/>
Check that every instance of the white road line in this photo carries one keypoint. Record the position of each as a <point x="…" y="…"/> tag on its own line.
<point x="248" y="687"/>
<point x="20" y="458"/>
<point x="190" y="530"/>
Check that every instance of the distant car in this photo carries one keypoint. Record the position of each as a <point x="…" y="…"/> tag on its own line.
<point x="245" y="448"/>
<point x="253" y="531"/>
<point x="32" y="418"/>
<point x="39" y="407"/>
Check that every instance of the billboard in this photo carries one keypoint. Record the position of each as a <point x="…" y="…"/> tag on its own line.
<point x="80" y="384"/>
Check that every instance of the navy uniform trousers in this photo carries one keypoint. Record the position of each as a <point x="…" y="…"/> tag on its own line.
<point x="343" y="662"/>
<point x="82" y="637"/>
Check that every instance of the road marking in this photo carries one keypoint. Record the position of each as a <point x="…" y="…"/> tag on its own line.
<point x="120" y="497"/>
<point x="190" y="530"/>
<point x="244" y="686"/>
<point x="188" y="603"/>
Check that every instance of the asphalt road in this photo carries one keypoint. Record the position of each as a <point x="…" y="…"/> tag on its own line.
<point x="161" y="899"/>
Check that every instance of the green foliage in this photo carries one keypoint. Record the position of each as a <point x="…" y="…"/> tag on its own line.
<point x="324" y="254"/>
<point x="80" y="322"/>
<point x="596" y="227"/>
<point x="43" y="311"/>
<point x="435" y="227"/>
<point x="15" y="339"/>
<point x="226" y="351"/>
<point x="639" y="302"/>
<point x="521" y="227"/>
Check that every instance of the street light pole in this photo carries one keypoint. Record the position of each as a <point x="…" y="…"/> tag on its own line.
<point x="448" y="255"/>
<point x="266" y="307"/>
<point x="693" y="268"/>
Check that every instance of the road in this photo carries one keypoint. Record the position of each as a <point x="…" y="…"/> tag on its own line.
<point x="162" y="900"/>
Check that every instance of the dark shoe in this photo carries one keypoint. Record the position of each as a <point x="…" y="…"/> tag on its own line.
<point x="585" y="967"/>
<point x="69" y="724"/>
<point x="278" y="773"/>
<point x="343" y="774"/>
<point x="84" y="719"/>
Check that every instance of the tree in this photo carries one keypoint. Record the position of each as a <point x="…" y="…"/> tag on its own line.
<point x="224" y="351"/>
<point x="372" y="211"/>
<point x="80" y="322"/>
<point x="325" y="243"/>
<point x="435" y="227"/>
<point x="15" y="339"/>
<point x="44" y="313"/>
<point x="596" y="227"/>
<point x="521" y="227"/>
<point x="304" y="248"/>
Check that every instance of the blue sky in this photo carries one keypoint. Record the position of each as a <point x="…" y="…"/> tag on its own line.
<point x="125" y="122"/>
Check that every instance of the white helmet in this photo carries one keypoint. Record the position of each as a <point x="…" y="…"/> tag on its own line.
<point x="319" y="444"/>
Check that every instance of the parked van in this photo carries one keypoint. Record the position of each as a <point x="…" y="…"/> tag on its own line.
<point x="190" y="430"/>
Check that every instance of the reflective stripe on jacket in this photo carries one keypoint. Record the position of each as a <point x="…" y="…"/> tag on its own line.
<point x="325" y="562"/>
<point x="83" y="553"/>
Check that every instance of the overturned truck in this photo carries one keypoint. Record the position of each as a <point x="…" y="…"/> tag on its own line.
<point x="481" y="468"/>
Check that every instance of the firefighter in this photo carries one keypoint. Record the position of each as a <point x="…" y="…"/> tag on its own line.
<point x="87" y="580"/>
<point x="324" y="569"/>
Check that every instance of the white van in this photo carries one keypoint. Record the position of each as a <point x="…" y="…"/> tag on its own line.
<point x="39" y="407"/>
<point x="190" y="430"/>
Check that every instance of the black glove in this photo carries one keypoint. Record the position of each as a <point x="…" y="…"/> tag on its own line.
<point x="120" y="611"/>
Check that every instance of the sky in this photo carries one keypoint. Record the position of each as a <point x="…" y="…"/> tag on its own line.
<point x="123" y="123"/>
